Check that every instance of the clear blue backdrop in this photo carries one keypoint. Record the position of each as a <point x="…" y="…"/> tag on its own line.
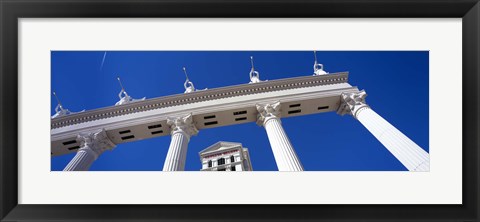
<point x="396" y="84"/>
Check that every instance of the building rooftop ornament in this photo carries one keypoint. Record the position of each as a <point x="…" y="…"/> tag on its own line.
<point x="317" y="67"/>
<point x="254" y="75"/>
<point x="124" y="97"/>
<point x="189" y="87"/>
<point x="60" y="110"/>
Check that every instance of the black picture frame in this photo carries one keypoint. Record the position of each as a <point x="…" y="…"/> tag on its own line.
<point x="11" y="11"/>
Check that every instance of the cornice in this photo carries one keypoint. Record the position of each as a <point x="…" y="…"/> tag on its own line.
<point x="199" y="96"/>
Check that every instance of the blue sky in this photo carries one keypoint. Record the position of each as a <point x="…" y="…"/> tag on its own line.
<point x="396" y="83"/>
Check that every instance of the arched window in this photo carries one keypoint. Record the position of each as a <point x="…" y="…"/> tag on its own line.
<point x="210" y="163"/>
<point x="232" y="159"/>
<point x="221" y="161"/>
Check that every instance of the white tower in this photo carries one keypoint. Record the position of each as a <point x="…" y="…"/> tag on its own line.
<point x="225" y="156"/>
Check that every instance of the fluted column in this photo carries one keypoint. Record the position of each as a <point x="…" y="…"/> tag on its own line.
<point x="412" y="156"/>
<point x="92" y="145"/>
<point x="285" y="156"/>
<point x="182" y="128"/>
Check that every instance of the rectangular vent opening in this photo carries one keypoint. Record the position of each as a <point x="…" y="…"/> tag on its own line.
<point x="294" y="105"/>
<point x="295" y="111"/>
<point x="239" y="112"/>
<point x="128" y="137"/>
<point x="157" y="132"/>
<point x="69" y="142"/>
<point x="240" y="119"/>
<point x="74" y="148"/>
<point x="210" y="123"/>
<point x="209" y="117"/>
<point x="322" y="107"/>
<point x="125" y="131"/>
<point x="155" y="126"/>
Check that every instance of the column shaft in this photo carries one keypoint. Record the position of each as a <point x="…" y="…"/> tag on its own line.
<point x="82" y="160"/>
<point x="182" y="128"/>
<point x="177" y="153"/>
<point x="283" y="151"/>
<point x="92" y="145"/>
<point x="413" y="157"/>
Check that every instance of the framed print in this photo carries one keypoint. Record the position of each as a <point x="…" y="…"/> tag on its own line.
<point x="100" y="99"/>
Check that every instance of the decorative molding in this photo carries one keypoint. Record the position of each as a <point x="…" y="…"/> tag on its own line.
<point x="97" y="142"/>
<point x="182" y="124"/>
<point x="352" y="103"/>
<point x="268" y="111"/>
<point x="199" y="96"/>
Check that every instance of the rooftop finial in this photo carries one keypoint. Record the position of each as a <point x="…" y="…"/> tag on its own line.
<point x="254" y="75"/>
<point x="121" y="85"/>
<point x="58" y="101"/>
<point x="124" y="97"/>
<point x="317" y="67"/>
<point x="185" y="71"/>
<point x="251" y="60"/>
<point x="60" y="111"/>
<point x="189" y="87"/>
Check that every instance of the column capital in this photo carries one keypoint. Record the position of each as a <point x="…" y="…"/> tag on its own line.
<point x="96" y="142"/>
<point x="182" y="124"/>
<point x="351" y="103"/>
<point x="268" y="111"/>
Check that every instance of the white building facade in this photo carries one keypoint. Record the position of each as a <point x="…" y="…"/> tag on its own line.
<point x="225" y="156"/>
<point x="183" y="116"/>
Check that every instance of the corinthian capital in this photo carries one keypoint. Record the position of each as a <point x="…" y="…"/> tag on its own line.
<point x="96" y="142"/>
<point x="268" y="111"/>
<point x="182" y="124"/>
<point x="351" y="103"/>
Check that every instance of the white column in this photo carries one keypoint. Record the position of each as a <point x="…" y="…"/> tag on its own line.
<point x="285" y="156"/>
<point x="182" y="128"/>
<point x="92" y="145"/>
<point x="412" y="156"/>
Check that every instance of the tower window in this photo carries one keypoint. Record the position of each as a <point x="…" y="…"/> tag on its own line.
<point x="233" y="168"/>
<point x="232" y="159"/>
<point x="209" y="163"/>
<point x="221" y="161"/>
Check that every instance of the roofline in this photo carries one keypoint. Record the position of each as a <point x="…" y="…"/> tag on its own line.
<point x="199" y="96"/>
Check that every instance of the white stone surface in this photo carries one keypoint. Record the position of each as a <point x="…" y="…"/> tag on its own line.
<point x="182" y="129"/>
<point x="412" y="156"/>
<point x="311" y="92"/>
<point x="285" y="156"/>
<point x="92" y="145"/>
